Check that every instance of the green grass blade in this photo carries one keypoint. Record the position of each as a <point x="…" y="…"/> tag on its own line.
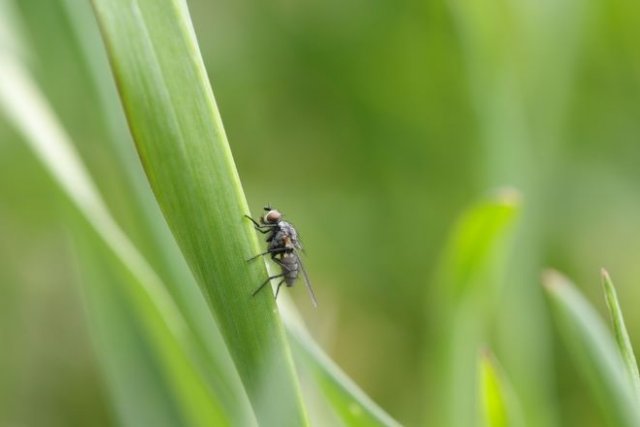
<point x="497" y="399"/>
<point x="594" y="350"/>
<point x="620" y="332"/>
<point x="347" y="400"/>
<point x="477" y="243"/>
<point x="521" y="116"/>
<point x="163" y="322"/>
<point x="146" y="226"/>
<point x="135" y="349"/>
<point x="180" y="139"/>
<point x="471" y="272"/>
<point x="492" y="399"/>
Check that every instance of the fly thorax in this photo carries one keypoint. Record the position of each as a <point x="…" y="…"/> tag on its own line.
<point x="292" y="235"/>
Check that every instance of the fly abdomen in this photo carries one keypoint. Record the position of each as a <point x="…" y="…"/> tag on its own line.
<point x="290" y="267"/>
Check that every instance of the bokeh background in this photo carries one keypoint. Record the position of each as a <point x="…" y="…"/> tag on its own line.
<point x="372" y="126"/>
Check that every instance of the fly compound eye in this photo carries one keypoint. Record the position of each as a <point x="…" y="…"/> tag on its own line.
<point x="272" y="217"/>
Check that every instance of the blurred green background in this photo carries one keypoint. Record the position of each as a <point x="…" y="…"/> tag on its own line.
<point x="372" y="126"/>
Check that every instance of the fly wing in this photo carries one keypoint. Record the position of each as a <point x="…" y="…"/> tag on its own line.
<point x="297" y="241"/>
<point x="307" y="282"/>
<point x="300" y="248"/>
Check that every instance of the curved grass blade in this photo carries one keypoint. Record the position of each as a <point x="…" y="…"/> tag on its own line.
<point x="181" y="142"/>
<point x="497" y="400"/>
<point x="477" y="243"/>
<point x="620" y="332"/>
<point x="472" y="268"/>
<point x="594" y="350"/>
<point x="147" y="227"/>
<point x="132" y="361"/>
<point x="492" y="400"/>
<point x="167" y="331"/>
<point x="347" y="400"/>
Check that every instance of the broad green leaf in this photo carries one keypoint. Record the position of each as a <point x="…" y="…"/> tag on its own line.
<point x="620" y="332"/>
<point x="180" y="139"/>
<point x="594" y="350"/>
<point x="497" y="400"/>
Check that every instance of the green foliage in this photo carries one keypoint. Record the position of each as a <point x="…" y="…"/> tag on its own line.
<point x="348" y="401"/>
<point x="478" y="245"/>
<point x="161" y="367"/>
<point x="498" y="406"/>
<point x="170" y="340"/>
<point x="153" y="381"/>
<point x="469" y="283"/>
<point x="372" y="127"/>
<point x="620" y="332"/>
<point x="594" y="350"/>
<point x="179" y="136"/>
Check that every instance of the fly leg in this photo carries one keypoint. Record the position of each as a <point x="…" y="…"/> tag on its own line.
<point x="270" y="278"/>
<point x="260" y="227"/>
<point x="278" y="288"/>
<point x="273" y="253"/>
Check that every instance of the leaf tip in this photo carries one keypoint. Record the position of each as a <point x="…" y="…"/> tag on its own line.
<point x="552" y="280"/>
<point x="509" y="196"/>
<point x="484" y="353"/>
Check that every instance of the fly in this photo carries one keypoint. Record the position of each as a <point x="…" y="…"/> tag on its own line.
<point x="283" y="245"/>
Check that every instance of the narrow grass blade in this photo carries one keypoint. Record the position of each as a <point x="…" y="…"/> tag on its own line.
<point x="521" y="116"/>
<point x="492" y="399"/>
<point x="471" y="272"/>
<point x="180" y="139"/>
<point x="477" y="243"/>
<point x="594" y="350"/>
<point x="201" y="403"/>
<point x="146" y="226"/>
<point x="347" y="400"/>
<point x="620" y="332"/>
<point x="132" y="371"/>
<point x="497" y="400"/>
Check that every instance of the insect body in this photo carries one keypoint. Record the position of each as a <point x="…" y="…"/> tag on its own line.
<point x="283" y="246"/>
